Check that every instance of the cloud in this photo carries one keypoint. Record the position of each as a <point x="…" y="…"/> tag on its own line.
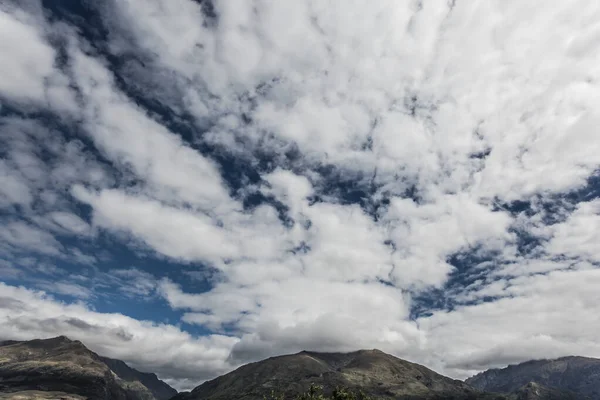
<point x="7" y="270"/>
<point x="14" y="189"/>
<point x="21" y="236"/>
<point x="532" y="321"/>
<point x="301" y="313"/>
<point x="131" y="139"/>
<point x="576" y="236"/>
<point x="173" y="232"/>
<point x="67" y="289"/>
<point x="134" y="282"/>
<point x="29" y="74"/>
<point x="426" y="235"/>
<point x="31" y="59"/>
<point x="70" y="222"/>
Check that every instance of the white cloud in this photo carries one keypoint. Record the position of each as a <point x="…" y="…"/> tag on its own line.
<point x="66" y="289"/>
<point x="133" y="282"/>
<point x="70" y="222"/>
<point x="127" y="135"/>
<point x="345" y="73"/>
<point x="31" y="59"/>
<point x="300" y="313"/>
<point x="171" y="231"/>
<point x="9" y="271"/>
<point x="29" y="73"/>
<point x="578" y="235"/>
<point x="14" y="189"/>
<point x="38" y="168"/>
<point x="426" y="235"/>
<point x="546" y="316"/>
<point x="20" y="236"/>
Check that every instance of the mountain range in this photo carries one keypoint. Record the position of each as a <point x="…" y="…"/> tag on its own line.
<point x="60" y="368"/>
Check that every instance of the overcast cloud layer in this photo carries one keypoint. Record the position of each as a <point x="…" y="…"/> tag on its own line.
<point x="192" y="185"/>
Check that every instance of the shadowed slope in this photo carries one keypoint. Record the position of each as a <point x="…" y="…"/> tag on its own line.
<point x="535" y="391"/>
<point x="578" y="375"/>
<point x="63" y="365"/>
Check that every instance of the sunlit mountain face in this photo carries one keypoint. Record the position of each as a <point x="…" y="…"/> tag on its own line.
<point x="192" y="185"/>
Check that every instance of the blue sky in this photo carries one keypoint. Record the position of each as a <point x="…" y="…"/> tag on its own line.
<point x="192" y="185"/>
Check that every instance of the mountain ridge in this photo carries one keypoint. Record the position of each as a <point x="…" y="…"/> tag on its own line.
<point x="572" y="374"/>
<point x="374" y="372"/>
<point x="67" y="366"/>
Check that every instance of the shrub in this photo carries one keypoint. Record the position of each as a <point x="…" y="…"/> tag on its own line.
<point x="316" y="393"/>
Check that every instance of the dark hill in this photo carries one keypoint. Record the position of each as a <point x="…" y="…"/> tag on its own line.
<point x="63" y="368"/>
<point x="578" y="375"/>
<point x="377" y="374"/>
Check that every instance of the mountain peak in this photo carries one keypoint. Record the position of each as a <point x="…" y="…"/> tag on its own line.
<point x="61" y="338"/>
<point x="58" y="343"/>
<point x="350" y="352"/>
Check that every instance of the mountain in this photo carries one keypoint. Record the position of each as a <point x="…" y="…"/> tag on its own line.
<point x="578" y="375"/>
<point x="376" y="373"/>
<point x="535" y="391"/>
<point x="160" y="390"/>
<point x="60" y="368"/>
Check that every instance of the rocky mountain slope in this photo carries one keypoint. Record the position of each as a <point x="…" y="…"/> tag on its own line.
<point x="578" y="375"/>
<point x="377" y="374"/>
<point x="535" y="391"/>
<point x="61" y="368"/>
<point x="160" y="390"/>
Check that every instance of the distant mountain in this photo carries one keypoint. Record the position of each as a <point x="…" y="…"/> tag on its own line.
<point x="61" y="368"/>
<point x="377" y="374"/>
<point x="578" y="375"/>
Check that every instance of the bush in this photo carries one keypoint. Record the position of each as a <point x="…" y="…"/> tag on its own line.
<point x="316" y="393"/>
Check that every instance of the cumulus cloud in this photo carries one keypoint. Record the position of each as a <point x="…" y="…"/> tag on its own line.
<point x="418" y="177"/>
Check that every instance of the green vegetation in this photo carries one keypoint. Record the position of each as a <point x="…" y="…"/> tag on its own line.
<point x="316" y="393"/>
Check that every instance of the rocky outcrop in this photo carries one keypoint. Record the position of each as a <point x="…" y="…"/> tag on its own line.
<point x="535" y="391"/>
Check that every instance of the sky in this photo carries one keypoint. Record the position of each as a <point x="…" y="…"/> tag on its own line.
<point x="191" y="185"/>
